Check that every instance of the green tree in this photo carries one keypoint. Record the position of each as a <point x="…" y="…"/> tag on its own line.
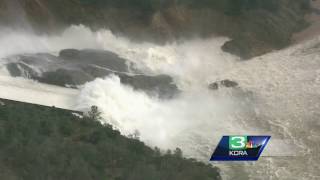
<point x="178" y="153"/>
<point x="94" y="113"/>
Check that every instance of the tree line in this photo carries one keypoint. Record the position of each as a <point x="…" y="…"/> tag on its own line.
<point x="42" y="143"/>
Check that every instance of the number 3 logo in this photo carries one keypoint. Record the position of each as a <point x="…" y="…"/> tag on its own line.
<point x="237" y="142"/>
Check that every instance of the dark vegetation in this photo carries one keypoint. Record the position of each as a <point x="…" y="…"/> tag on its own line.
<point x="42" y="143"/>
<point x="231" y="7"/>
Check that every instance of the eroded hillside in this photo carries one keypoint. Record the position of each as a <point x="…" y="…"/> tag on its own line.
<point x="255" y="26"/>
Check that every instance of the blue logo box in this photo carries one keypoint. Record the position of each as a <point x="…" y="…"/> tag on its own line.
<point x="240" y="148"/>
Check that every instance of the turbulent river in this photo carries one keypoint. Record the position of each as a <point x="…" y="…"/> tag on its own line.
<point x="278" y="95"/>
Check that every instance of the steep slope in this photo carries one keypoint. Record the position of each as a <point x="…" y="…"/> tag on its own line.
<point x="255" y="27"/>
<point x="48" y="143"/>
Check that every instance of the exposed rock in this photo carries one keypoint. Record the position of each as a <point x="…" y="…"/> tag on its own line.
<point x="224" y="83"/>
<point x="98" y="57"/>
<point x="161" y="85"/>
<point x="227" y="83"/>
<point x="246" y="47"/>
<point x="76" y="67"/>
<point x="14" y="69"/>
<point x="63" y="77"/>
<point x="21" y="69"/>
<point x="214" y="86"/>
<point x="69" y="53"/>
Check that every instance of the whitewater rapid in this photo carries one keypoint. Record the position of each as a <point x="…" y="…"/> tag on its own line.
<point x="278" y="96"/>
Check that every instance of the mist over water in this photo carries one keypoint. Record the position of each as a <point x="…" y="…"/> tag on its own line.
<point x="278" y="95"/>
<point x="161" y="122"/>
<point x="21" y="42"/>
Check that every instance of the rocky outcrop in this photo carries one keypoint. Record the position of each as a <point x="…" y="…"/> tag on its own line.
<point x="76" y="67"/>
<point x="224" y="83"/>
<point x="92" y="57"/>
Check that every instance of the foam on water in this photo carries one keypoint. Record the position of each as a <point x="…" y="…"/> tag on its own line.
<point x="284" y="87"/>
<point x="161" y="123"/>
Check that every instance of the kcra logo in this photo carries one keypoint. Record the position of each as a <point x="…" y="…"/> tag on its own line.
<point x="240" y="148"/>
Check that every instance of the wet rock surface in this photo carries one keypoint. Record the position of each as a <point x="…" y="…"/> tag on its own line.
<point x="76" y="67"/>
<point x="101" y="58"/>
<point x="224" y="83"/>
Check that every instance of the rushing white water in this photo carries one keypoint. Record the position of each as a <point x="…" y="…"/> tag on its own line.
<point x="20" y="41"/>
<point x="279" y="95"/>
